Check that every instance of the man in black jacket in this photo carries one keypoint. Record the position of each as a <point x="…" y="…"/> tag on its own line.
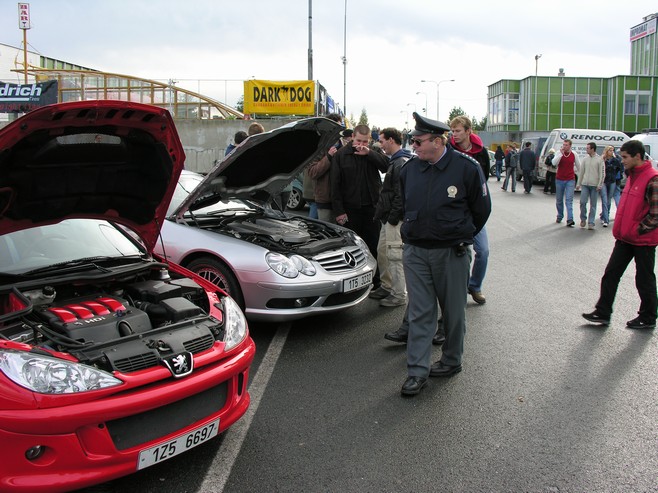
<point x="392" y="292"/>
<point x="527" y="159"/>
<point x="355" y="187"/>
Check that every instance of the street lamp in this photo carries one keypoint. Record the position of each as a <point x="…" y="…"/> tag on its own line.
<point x="425" y="108"/>
<point x="537" y="57"/>
<point x="406" y="117"/>
<point x="412" y="104"/>
<point x="437" y="92"/>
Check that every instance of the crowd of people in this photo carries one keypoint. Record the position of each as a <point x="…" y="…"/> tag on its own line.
<point x="425" y="222"/>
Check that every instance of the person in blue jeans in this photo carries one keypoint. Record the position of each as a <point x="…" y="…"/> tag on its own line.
<point x="464" y="140"/>
<point x="612" y="169"/>
<point x="567" y="163"/>
<point x="499" y="156"/>
<point x="480" y="262"/>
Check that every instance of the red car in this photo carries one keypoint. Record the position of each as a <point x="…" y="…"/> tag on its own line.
<point x="111" y="359"/>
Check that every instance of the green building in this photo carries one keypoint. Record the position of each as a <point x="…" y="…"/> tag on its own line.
<point x="539" y="104"/>
<point x="536" y="105"/>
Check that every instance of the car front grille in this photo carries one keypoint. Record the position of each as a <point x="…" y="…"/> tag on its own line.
<point x="199" y="344"/>
<point x="136" y="362"/>
<point x="141" y="428"/>
<point x="342" y="260"/>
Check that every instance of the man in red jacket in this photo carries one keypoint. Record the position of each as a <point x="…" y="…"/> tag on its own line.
<point x="635" y="230"/>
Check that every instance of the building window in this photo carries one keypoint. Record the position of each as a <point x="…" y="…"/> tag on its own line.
<point x="513" y="109"/>
<point x="637" y="102"/>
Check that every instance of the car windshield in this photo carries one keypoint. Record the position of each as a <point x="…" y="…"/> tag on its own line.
<point x="69" y="240"/>
<point x="186" y="185"/>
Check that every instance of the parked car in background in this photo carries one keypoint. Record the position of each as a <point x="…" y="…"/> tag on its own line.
<point x="492" y="162"/>
<point x="277" y="266"/>
<point x="111" y="359"/>
<point x="296" y="200"/>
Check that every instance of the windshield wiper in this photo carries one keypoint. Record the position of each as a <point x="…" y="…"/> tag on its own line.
<point x="79" y="265"/>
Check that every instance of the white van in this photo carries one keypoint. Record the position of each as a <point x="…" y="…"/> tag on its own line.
<point x="580" y="137"/>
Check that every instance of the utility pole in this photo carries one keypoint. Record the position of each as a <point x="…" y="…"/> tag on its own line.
<point x="310" y="39"/>
<point x="24" y="24"/>
<point x="345" y="63"/>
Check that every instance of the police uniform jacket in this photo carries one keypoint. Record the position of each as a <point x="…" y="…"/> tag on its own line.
<point x="445" y="204"/>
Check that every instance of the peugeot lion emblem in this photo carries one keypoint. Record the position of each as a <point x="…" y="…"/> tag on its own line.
<point x="180" y="364"/>
<point x="349" y="259"/>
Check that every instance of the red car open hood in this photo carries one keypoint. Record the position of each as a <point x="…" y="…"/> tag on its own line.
<point x="90" y="159"/>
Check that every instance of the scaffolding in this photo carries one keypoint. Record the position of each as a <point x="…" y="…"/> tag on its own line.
<point x="83" y="85"/>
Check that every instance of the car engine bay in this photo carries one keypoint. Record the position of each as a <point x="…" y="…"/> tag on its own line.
<point x="125" y="324"/>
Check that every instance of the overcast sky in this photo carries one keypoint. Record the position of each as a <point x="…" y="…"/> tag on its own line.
<point x="391" y="45"/>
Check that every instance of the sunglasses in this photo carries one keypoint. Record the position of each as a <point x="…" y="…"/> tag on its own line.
<point x="419" y="141"/>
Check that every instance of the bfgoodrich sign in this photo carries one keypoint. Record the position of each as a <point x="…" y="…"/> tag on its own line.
<point x="21" y="98"/>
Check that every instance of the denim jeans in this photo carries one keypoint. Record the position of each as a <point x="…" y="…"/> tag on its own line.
<point x="564" y="194"/>
<point x="607" y="192"/>
<point x="499" y="169"/>
<point x="510" y="173"/>
<point x="312" y="210"/>
<point x="481" y="249"/>
<point x="588" y="193"/>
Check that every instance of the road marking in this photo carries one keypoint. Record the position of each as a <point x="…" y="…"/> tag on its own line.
<point x="221" y="466"/>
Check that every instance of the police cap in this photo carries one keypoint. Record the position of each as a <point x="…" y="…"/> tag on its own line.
<point x="426" y="126"/>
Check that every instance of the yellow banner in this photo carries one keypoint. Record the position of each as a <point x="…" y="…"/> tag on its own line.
<point x="291" y="97"/>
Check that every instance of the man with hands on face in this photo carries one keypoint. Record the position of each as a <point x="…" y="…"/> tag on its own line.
<point x="355" y="188"/>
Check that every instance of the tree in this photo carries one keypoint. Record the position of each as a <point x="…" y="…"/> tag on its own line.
<point x="477" y="125"/>
<point x="363" y="119"/>
<point x="240" y="104"/>
<point x="455" y="111"/>
<point x="480" y="125"/>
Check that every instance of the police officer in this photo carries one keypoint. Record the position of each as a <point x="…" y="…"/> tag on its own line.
<point x="446" y="203"/>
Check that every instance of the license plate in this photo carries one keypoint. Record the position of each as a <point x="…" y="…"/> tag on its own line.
<point x="164" y="451"/>
<point x="354" y="283"/>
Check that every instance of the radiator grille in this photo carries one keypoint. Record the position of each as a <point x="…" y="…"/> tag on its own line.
<point x="342" y="260"/>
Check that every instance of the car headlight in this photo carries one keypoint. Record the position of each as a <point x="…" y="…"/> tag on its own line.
<point x="282" y="265"/>
<point x="235" y="324"/>
<point x="303" y="265"/>
<point x="361" y="244"/>
<point x="48" y="375"/>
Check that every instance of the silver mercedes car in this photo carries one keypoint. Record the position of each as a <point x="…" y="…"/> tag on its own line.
<point x="226" y="226"/>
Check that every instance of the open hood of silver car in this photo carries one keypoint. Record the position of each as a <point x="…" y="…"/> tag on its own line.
<point x="264" y="164"/>
<point x="89" y="159"/>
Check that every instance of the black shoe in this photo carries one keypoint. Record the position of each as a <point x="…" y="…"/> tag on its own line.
<point x="595" y="318"/>
<point x="438" y="339"/>
<point x="571" y="223"/>
<point x="413" y="385"/>
<point x="379" y="293"/>
<point x="399" y="335"/>
<point x="638" y="323"/>
<point x="439" y="369"/>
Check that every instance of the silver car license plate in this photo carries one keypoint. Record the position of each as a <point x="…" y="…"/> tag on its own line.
<point x="167" y="450"/>
<point x="354" y="283"/>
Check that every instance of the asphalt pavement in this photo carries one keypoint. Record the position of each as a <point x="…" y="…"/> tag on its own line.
<point x="545" y="403"/>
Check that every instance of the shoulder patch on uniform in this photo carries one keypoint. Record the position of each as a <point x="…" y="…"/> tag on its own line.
<point x="463" y="154"/>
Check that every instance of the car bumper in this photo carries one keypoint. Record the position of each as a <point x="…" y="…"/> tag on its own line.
<point x="86" y="447"/>
<point x="280" y="300"/>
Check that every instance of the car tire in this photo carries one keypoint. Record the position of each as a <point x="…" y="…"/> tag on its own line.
<point x="217" y="272"/>
<point x="295" y="200"/>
